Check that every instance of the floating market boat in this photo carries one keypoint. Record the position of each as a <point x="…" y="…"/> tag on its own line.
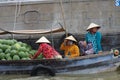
<point x="88" y="64"/>
<point x="82" y="65"/>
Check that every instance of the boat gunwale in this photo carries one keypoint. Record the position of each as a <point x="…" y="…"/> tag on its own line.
<point x="64" y="59"/>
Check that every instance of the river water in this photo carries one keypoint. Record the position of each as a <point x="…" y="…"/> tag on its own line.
<point x="100" y="76"/>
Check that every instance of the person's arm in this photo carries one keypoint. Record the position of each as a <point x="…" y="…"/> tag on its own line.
<point x="98" y="40"/>
<point x="37" y="53"/>
<point x="63" y="45"/>
<point x="86" y="37"/>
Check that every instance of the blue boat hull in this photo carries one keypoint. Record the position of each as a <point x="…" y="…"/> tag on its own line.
<point x="81" y="65"/>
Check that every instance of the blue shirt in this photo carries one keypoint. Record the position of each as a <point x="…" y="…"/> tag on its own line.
<point x="95" y="39"/>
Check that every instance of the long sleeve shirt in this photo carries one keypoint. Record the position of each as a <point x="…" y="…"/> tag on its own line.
<point x="95" y="39"/>
<point x="72" y="51"/>
<point x="47" y="51"/>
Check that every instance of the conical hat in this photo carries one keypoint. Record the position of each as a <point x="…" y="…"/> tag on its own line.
<point x="93" y="25"/>
<point x="42" y="40"/>
<point x="71" y="38"/>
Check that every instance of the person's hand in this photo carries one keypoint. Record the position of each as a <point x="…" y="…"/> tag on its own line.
<point x="84" y="43"/>
<point x="67" y="56"/>
<point x="100" y="52"/>
<point x="30" y="56"/>
<point x="65" y="41"/>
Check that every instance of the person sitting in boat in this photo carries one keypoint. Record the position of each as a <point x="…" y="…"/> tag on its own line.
<point x="94" y="37"/>
<point x="45" y="49"/>
<point x="69" y="47"/>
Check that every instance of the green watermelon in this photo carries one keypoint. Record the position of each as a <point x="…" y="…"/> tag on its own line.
<point x="3" y="59"/>
<point x="24" y="45"/>
<point x="16" y="57"/>
<point x="13" y="49"/>
<point x="2" y="55"/>
<point x="27" y="58"/>
<point x="13" y="52"/>
<point x="22" y="49"/>
<point x="9" y="58"/>
<point x="15" y="41"/>
<point x="32" y="52"/>
<point x="7" y="55"/>
<point x="1" y="50"/>
<point x="4" y="47"/>
<point x="10" y="42"/>
<point x="20" y="43"/>
<point x="7" y="50"/>
<point x="40" y="56"/>
<point x="16" y="46"/>
<point x="23" y="54"/>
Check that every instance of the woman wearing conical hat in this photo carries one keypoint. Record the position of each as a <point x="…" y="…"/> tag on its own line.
<point x="45" y="49"/>
<point x="94" y="37"/>
<point x="69" y="47"/>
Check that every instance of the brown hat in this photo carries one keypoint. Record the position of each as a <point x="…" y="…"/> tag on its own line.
<point x="42" y="40"/>
<point x="71" y="38"/>
<point x="93" y="25"/>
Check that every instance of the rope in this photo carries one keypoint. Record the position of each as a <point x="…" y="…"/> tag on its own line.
<point x="62" y="10"/>
<point x="17" y="11"/>
<point x="52" y="36"/>
<point x="71" y="20"/>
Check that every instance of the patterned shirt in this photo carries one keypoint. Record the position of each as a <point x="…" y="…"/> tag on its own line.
<point x="95" y="39"/>
<point x="46" y="50"/>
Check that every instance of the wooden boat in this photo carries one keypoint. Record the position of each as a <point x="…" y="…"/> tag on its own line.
<point x="82" y="65"/>
<point x="93" y="63"/>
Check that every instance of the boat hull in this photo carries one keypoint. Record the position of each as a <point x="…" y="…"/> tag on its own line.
<point x="81" y="65"/>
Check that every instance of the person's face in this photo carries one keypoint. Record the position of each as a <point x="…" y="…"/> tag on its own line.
<point x="69" y="42"/>
<point x="94" y="30"/>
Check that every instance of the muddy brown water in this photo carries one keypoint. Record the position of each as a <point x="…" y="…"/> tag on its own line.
<point x="101" y="76"/>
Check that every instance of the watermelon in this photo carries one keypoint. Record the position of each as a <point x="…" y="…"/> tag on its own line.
<point x="7" y="50"/>
<point x="4" y="47"/>
<point x="16" y="57"/>
<point x="24" y="45"/>
<point x="20" y="43"/>
<point x="1" y="50"/>
<point x="10" y="42"/>
<point x="3" y="59"/>
<point x="7" y="55"/>
<point x="40" y="56"/>
<point x="16" y="46"/>
<point x="13" y="52"/>
<point x="12" y="49"/>
<point x="32" y="52"/>
<point x="2" y="55"/>
<point x="23" y="54"/>
<point x="9" y="58"/>
<point x="22" y="49"/>
<point x="15" y="41"/>
<point x="27" y="58"/>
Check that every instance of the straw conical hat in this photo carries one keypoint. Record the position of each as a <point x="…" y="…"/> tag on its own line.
<point x="71" y="38"/>
<point x="93" y="25"/>
<point x="43" y="40"/>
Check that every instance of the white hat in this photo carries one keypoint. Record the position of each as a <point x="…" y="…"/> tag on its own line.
<point x="71" y="38"/>
<point x="93" y="25"/>
<point x="42" y="40"/>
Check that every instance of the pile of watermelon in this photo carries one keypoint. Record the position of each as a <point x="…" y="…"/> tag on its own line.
<point x="15" y="50"/>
